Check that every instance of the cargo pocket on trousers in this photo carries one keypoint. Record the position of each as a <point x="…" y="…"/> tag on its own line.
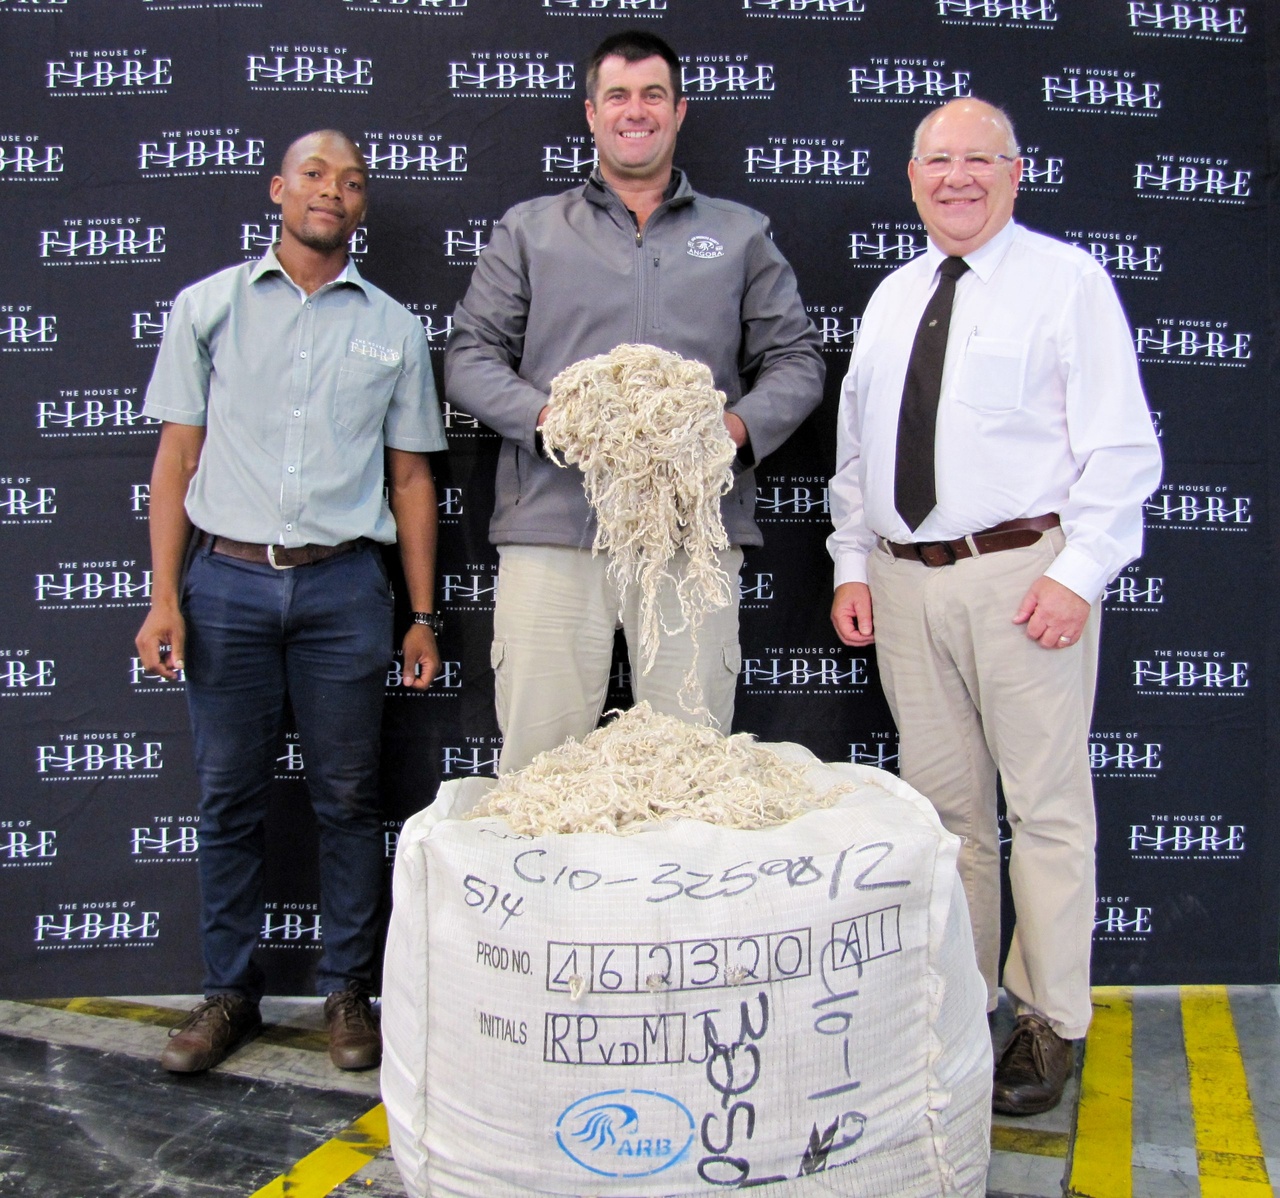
<point x="722" y="685"/>
<point x="497" y="654"/>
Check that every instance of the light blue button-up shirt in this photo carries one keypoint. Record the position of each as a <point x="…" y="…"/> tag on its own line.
<point x="299" y="395"/>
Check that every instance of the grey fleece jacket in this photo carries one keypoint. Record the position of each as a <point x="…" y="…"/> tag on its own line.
<point x="569" y="276"/>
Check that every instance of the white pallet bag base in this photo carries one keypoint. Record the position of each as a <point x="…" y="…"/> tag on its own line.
<point x="872" y="1075"/>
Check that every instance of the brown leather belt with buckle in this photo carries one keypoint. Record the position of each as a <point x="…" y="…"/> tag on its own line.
<point x="1012" y="534"/>
<point x="279" y="556"/>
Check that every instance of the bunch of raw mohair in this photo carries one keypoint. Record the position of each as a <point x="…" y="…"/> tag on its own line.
<point x="646" y="427"/>
<point x="645" y="767"/>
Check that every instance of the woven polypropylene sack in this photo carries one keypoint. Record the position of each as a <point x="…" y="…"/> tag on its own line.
<point x="687" y="1008"/>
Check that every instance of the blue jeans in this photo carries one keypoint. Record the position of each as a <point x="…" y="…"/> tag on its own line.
<point x="319" y="635"/>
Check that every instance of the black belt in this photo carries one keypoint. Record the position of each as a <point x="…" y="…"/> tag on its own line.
<point x="1012" y="534"/>
<point x="279" y="556"/>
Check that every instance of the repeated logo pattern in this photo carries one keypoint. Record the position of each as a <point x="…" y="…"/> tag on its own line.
<point x="136" y="146"/>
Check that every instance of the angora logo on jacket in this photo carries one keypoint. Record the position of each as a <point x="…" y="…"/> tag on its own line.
<point x="705" y="247"/>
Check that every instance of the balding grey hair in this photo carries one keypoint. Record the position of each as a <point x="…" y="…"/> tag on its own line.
<point x="1002" y="118"/>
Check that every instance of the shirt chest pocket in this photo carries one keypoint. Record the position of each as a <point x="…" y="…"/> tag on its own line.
<point x="363" y="394"/>
<point x="992" y="373"/>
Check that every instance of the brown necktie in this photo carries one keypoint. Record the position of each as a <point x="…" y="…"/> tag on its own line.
<point x="914" y="493"/>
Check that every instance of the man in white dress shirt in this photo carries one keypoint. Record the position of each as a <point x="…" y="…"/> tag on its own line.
<point x="1024" y="502"/>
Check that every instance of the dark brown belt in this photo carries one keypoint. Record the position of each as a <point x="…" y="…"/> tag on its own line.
<point x="1012" y="534"/>
<point x="276" y="555"/>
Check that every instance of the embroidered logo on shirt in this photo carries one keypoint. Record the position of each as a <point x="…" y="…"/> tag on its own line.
<point x="705" y="247"/>
<point x="371" y="349"/>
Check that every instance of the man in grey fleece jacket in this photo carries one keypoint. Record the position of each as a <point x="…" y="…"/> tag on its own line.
<point x="633" y="255"/>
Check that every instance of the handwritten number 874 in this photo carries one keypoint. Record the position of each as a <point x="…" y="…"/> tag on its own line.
<point x="484" y="894"/>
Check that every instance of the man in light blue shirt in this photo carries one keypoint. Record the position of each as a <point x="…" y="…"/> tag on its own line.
<point x="287" y="387"/>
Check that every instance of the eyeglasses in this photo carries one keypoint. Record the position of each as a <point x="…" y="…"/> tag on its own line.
<point x="935" y="166"/>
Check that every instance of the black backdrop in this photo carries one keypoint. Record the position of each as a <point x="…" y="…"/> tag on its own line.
<point x="136" y="141"/>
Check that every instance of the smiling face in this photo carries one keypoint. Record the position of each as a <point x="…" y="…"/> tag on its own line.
<point x="634" y="117"/>
<point x="963" y="213"/>
<point x="321" y="192"/>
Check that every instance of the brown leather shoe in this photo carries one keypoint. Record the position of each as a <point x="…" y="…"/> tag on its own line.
<point x="354" y="1039"/>
<point x="1032" y="1070"/>
<point x="210" y="1033"/>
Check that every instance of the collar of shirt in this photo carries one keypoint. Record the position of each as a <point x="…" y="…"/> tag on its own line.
<point x="678" y="190"/>
<point x="270" y="264"/>
<point x="982" y="261"/>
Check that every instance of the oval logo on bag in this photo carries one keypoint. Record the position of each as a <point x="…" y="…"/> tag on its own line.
<point x="705" y="247"/>
<point x="625" y="1133"/>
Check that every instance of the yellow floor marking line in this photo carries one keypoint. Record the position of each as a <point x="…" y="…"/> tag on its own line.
<point x="1029" y="1141"/>
<point x="1227" y="1146"/>
<point x="111" y="1008"/>
<point x="1102" y="1156"/>
<point x="153" y="1016"/>
<point x="335" y="1161"/>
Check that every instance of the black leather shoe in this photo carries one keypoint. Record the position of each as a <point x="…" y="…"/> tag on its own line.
<point x="354" y="1039"/>
<point x="210" y="1033"/>
<point x="1032" y="1070"/>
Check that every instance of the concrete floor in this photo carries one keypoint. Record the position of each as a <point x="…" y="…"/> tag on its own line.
<point x="1177" y="1088"/>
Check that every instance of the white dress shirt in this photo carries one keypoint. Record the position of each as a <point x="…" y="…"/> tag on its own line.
<point x="1041" y="410"/>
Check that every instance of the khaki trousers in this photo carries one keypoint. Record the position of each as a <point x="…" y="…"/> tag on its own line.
<point x="553" y="626"/>
<point x="973" y="696"/>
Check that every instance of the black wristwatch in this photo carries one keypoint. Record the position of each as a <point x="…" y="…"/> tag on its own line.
<point x="431" y="620"/>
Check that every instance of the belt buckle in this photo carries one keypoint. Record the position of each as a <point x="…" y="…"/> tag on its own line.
<point x="935" y="553"/>
<point x="271" y="557"/>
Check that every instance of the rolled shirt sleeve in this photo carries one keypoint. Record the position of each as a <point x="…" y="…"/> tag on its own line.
<point x="179" y="386"/>
<point x="413" y="421"/>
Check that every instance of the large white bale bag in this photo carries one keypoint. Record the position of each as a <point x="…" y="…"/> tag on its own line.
<point x="688" y="1008"/>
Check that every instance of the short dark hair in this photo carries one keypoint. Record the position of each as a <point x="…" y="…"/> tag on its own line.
<point x="336" y="135"/>
<point x="633" y="45"/>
